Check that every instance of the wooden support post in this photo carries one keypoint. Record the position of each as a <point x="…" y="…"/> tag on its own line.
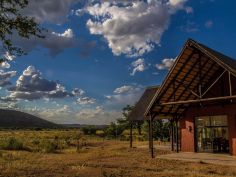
<point x="151" y="137"/>
<point x="131" y="135"/>
<point x="172" y="135"/>
<point x="177" y="136"/>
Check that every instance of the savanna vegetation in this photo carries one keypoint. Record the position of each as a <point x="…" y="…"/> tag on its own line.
<point x="71" y="153"/>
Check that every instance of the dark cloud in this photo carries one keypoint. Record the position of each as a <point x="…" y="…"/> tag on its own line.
<point x="53" y="11"/>
<point x="54" y="42"/>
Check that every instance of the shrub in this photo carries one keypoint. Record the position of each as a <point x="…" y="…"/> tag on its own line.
<point x="100" y="133"/>
<point x="89" y="130"/>
<point x="114" y="130"/>
<point x="48" y="146"/>
<point x="12" y="144"/>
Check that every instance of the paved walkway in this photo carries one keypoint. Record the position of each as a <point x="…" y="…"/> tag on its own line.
<point x="220" y="159"/>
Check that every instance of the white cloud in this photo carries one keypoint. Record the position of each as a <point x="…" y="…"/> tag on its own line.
<point x="66" y="114"/>
<point x="8" y="56"/>
<point x="124" y="89"/>
<point x="138" y="66"/>
<point x="124" y="95"/>
<point x="208" y="23"/>
<point x="4" y="65"/>
<point x="165" y="64"/>
<point x="85" y="101"/>
<point x="31" y="86"/>
<point x="97" y="116"/>
<point x="68" y="33"/>
<point x="177" y="4"/>
<point x="78" y="92"/>
<point x="132" y="28"/>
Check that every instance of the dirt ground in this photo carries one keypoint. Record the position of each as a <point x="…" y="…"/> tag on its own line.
<point x="104" y="158"/>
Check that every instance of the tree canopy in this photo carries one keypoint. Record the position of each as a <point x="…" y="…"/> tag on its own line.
<point x="13" y="22"/>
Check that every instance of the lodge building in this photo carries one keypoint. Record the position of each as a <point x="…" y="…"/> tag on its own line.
<point x="198" y="96"/>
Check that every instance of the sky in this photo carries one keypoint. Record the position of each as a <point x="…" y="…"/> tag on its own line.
<point x="99" y="56"/>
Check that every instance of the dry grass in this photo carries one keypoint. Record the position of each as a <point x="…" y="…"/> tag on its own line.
<point x="102" y="158"/>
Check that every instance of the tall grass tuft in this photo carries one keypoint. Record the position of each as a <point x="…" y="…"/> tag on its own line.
<point x="11" y="143"/>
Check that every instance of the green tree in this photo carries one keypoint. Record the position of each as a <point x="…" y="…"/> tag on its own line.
<point x="160" y="129"/>
<point x="12" y="21"/>
<point x="124" y="121"/>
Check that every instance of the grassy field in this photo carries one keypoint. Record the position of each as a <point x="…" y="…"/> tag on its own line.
<point x="94" y="157"/>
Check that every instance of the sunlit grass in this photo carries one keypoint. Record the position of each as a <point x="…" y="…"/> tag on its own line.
<point x="95" y="157"/>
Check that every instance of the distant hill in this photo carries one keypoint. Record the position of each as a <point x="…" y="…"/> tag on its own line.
<point x="17" y="119"/>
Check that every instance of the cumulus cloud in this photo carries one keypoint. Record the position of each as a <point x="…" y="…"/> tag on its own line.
<point x="53" y="11"/>
<point x="125" y="89"/>
<point x="85" y="101"/>
<point x="68" y="33"/>
<point x="54" y="42"/>
<point x="77" y="92"/>
<point x="165" y="64"/>
<point x="31" y="86"/>
<point x="5" y="77"/>
<point x="138" y="66"/>
<point x="97" y="116"/>
<point x="126" y="94"/>
<point x="90" y="116"/>
<point x="4" y="65"/>
<point x="8" y="56"/>
<point x="131" y="28"/>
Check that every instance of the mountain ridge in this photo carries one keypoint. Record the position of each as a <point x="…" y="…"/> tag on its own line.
<point x="18" y="119"/>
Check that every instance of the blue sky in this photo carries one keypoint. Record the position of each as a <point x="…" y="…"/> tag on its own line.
<point x="98" y="56"/>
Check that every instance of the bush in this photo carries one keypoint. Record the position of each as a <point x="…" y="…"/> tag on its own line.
<point x="89" y="130"/>
<point x="12" y="144"/>
<point x="100" y="133"/>
<point x="48" y="146"/>
<point x="114" y="130"/>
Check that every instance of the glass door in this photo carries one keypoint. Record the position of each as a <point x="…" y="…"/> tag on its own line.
<point x="212" y="134"/>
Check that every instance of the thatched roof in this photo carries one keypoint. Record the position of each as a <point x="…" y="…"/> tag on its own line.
<point x="196" y="65"/>
<point x="137" y="114"/>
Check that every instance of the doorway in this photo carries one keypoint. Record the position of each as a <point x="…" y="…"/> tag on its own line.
<point x="212" y="134"/>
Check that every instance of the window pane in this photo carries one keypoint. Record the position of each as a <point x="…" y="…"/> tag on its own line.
<point x="203" y="121"/>
<point x="219" y="120"/>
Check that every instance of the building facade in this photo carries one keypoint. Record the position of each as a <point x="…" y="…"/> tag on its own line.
<point x="198" y="96"/>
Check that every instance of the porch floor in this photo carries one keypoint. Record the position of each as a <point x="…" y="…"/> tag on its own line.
<point x="220" y="159"/>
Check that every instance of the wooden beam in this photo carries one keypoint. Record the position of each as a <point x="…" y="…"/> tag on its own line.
<point x="230" y="84"/>
<point x="187" y="88"/>
<point x="214" y="83"/>
<point x="205" y="74"/>
<point x="199" y="100"/>
<point x="178" y="72"/>
<point x="192" y="82"/>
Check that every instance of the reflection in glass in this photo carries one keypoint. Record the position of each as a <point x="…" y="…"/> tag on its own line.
<point x="212" y="133"/>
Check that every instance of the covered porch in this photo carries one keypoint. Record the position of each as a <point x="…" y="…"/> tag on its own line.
<point x="201" y="84"/>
